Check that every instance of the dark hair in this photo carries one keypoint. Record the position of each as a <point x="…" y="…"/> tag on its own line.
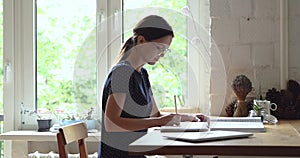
<point x="151" y="27"/>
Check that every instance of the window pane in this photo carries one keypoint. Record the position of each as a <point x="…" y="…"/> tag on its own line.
<point x="66" y="55"/>
<point x="1" y="57"/>
<point x="169" y="76"/>
<point x="1" y="75"/>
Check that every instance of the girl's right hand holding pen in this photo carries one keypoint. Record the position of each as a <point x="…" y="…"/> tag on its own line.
<point x="169" y="120"/>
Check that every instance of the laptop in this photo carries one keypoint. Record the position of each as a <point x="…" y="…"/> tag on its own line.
<point x="205" y="136"/>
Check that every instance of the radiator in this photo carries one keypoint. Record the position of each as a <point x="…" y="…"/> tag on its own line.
<point x="52" y="154"/>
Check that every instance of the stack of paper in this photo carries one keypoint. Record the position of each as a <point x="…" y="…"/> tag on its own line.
<point x="235" y="119"/>
<point x="247" y="124"/>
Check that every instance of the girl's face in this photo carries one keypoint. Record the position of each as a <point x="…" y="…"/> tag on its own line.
<point x="151" y="51"/>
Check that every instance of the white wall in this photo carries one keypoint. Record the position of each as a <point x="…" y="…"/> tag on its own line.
<point x="294" y="39"/>
<point x="247" y="34"/>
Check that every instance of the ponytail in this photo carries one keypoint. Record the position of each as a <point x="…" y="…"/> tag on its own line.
<point x="130" y="43"/>
<point x="151" y="27"/>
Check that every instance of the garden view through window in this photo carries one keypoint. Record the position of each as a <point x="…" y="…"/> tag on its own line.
<point x="66" y="48"/>
<point x="1" y="74"/>
<point x="169" y="76"/>
<point x="1" y="57"/>
<point x="66" y="65"/>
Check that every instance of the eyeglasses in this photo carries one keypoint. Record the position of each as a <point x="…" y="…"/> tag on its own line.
<point x="165" y="51"/>
<point x="162" y="49"/>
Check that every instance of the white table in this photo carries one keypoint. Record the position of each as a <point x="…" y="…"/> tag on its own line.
<point x="282" y="139"/>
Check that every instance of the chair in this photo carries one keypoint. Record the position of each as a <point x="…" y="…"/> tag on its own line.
<point x="71" y="133"/>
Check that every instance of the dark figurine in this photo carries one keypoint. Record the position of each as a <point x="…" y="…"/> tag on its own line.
<point x="241" y="86"/>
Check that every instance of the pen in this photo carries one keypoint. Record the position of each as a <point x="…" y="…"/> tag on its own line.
<point x="175" y="104"/>
<point x="208" y="124"/>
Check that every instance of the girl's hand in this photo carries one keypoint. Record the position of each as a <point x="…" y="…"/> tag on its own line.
<point x="189" y="118"/>
<point x="169" y="120"/>
<point x="194" y="118"/>
<point x="203" y="118"/>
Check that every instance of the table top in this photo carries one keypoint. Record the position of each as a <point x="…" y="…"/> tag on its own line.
<point x="282" y="139"/>
<point x="29" y="135"/>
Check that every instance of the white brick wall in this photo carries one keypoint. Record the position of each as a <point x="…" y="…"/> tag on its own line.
<point x="263" y="55"/>
<point x="220" y="9"/>
<point x="247" y="34"/>
<point x="266" y="8"/>
<point x="241" y="9"/>
<point x="294" y="39"/>
<point x="240" y="57"/>
<point x="225" y="31"/>
<point x="257" y="31"/>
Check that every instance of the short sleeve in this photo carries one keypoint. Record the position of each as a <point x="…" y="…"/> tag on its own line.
<point x="120" y="78"/>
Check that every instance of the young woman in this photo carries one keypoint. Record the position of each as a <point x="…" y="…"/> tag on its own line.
<point x="128" y="105"/>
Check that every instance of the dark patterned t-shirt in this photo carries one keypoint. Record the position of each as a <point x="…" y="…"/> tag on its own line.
<point x="123" y="78"/>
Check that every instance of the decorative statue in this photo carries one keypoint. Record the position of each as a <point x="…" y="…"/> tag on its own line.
<point x="241" y="86"/>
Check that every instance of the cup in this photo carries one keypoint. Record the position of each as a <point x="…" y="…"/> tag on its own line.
<point x="266" y="105"/>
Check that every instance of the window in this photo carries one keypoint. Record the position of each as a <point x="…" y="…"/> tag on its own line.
<point x="186" y="71"/>
<point x="66" y="55"/>
<point x="64" y="52"/>
<point x="169" y="76"/>
<point x="1" y="58"/>
<point x="1" y="75"/>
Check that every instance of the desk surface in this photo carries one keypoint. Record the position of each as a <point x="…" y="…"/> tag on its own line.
<point x="282" y="139"/>
<point x="24" y="135"/>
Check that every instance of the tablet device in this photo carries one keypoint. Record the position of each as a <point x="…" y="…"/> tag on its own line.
<point x="186" y="127"/>
<point x="206" y="136"/>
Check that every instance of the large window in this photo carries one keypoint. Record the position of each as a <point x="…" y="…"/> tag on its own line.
<point x="1" y="57"/>
<point x="63" y="53"/>
<point x="66" y="55"/>
<point x="1" y="74"/>
<point x="169" y="75"/>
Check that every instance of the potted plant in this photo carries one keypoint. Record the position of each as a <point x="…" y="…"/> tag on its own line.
<point x="44" y="120"/>
<point x="257" y="111"/>
<point x="85" y="117"/>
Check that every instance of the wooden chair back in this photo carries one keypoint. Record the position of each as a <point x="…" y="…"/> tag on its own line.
<point x="72" y="133"/>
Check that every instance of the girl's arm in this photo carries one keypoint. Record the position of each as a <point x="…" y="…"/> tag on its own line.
<point x="114" y="123"/>
<point x="184" y="117"/>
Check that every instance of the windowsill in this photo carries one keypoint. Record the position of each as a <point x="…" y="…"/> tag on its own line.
<point x="31" y="135"/>
<point x="181" y="109"/>
<point x="21" y="143"/>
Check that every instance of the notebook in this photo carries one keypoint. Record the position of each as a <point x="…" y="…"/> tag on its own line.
<point x="228" y="124"/>
<point x="235" y="119"/>
<point x="238" y="126"/>
<point x="206" y="136"/>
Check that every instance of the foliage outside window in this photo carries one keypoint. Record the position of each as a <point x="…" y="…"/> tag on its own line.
<point x="1" y="57"/>
<point x="169" y="76"/>
<point x="66" y="55"/>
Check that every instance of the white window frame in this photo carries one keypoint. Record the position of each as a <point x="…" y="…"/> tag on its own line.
<point x="20" y="52"/>
<point x="8" y="58"/>
<point x="19" y="55"/>
<point x="199" y="97"/>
